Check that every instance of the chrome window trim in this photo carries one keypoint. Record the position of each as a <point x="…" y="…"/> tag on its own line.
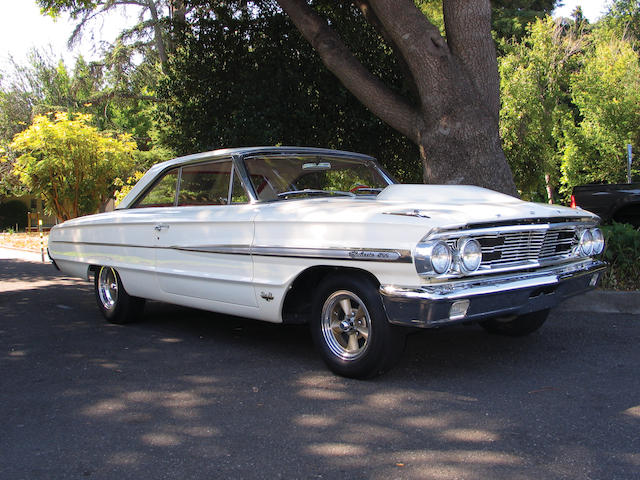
<point x="245" y="181"/>
<point x="369" y="161"/>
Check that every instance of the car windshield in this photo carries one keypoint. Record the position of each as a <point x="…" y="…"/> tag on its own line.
<point x="289" y="177"/>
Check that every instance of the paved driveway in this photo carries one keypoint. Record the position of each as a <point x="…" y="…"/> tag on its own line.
<point x="191" y="395"/>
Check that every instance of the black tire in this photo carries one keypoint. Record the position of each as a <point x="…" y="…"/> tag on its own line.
<point x="358" y="344"/>
<point x="518" y="326"/>
<point x="115" y="304"/>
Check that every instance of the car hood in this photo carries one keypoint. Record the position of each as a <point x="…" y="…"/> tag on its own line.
<point x="434" y="205"/>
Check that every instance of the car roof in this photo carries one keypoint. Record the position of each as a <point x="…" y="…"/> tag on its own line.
<point x="158" y="168"/>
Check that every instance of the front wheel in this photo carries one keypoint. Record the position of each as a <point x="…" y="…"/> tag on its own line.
<point x="115" y="304"/>
<point x="516" y="326"/>
<point x="350" y="328"/>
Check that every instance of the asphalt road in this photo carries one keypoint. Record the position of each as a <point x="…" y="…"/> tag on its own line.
<point x="191" y="395"/>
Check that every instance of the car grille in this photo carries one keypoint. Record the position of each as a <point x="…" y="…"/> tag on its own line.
<point x="535" y="246"/>
<point x="523" y="247"/>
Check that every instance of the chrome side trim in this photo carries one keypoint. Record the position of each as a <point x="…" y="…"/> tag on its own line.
<point x="359" y="254"/>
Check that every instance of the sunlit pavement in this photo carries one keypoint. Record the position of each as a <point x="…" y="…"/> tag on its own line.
<point x="186" y="394"/>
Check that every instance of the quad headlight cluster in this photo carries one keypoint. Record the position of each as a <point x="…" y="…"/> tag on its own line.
<point x="590" y="242"/>
<point x="439" y="257"/>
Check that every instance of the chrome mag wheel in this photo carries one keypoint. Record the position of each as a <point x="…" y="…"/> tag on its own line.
<point x="346" y="325"/>
<point x="108" y="288"/>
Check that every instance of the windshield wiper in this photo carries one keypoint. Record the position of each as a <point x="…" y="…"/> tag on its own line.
<point x="311" y="191"/>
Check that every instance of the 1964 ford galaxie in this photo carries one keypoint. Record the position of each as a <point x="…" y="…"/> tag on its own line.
<point x="303" y="235"/>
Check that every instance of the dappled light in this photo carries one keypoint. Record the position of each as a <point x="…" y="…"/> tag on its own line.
<point x="185" y="392"/>
<point x="633" y="411"/>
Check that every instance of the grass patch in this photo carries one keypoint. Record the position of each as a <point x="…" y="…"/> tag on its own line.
<point x="622" y="253"/>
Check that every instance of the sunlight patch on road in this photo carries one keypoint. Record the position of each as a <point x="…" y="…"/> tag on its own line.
<point x="323" y="394"/>
<point x="469" y="435"/>
<point x="336" y="449"/>
<point x="633" y="411"/>
<point x="161" y="439"/>
<point x="315" y="421"/>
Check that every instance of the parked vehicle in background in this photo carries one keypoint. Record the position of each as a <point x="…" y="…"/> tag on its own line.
<point x="611" y="202"/>
<point x="324" y="237"/>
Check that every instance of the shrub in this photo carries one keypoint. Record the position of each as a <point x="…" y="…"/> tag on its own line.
<point x="11" y="213"/>
<point x="622" y="253"/>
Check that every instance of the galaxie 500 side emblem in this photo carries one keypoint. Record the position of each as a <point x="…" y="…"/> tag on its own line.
<point x="373" y="254"/>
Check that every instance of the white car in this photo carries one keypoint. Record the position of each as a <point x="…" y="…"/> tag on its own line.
<point x="325" y="237"/>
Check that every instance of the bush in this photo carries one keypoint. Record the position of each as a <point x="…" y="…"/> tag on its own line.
<point x="622" y="253"/>
<point x="11" y="213"/>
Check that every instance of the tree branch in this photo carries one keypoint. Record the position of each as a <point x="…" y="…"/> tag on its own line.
<point x="420" y="43"/>
<point x="377" y="97"/>
<point x="468" y="26"/>
<point x="374" y="21"/>
<point x="157" y="31"/>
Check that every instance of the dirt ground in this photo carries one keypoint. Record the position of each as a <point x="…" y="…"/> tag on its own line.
<point x="27" y="241"/>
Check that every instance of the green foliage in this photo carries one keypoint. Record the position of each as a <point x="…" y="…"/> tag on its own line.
<point x="570" y="105"/>
<point x="511" y="19"/>
<point x="622" y="253"/>
<point x="623" y="21"/>
<point x="243" y="75"/>
<point x="44" y="85"/>
<point x="535" y="104"/>
<point x="70" y="163"/>
<point x="606" y="93"/>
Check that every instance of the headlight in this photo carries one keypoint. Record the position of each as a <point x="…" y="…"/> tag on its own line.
<point x="586" y="243"/>
<point x="598" y="241"/>
<point x="433" y="257"/>
<point x="470" y="254"/>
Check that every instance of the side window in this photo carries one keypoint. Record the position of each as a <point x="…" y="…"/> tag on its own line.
<point x="205" y="184"/>
<point x="163" y="192"/>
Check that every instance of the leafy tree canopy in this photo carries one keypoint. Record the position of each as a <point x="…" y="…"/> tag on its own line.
<point x="70" y="163"/>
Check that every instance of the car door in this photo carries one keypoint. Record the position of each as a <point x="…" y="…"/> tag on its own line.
<point x="203" y="244"/>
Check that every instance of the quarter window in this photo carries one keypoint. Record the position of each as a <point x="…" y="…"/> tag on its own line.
<point x="205" y="184"/>
<point x="163" y="193"/>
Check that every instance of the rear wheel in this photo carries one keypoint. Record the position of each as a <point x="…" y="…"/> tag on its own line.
<point x="115" y="304"/>
<point x="516" y="326"/>
<point x="351" y="330"/>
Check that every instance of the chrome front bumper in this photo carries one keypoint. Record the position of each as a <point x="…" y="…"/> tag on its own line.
<point x="471" y="300"/>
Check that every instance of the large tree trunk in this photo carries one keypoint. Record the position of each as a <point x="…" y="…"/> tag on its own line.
<point x="464" y="148"/>
<point x="456" y="123"/>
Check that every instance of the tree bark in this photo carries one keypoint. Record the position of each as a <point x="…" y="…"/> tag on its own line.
<point x="455" y="124"/>
<point x="157" y="34"/>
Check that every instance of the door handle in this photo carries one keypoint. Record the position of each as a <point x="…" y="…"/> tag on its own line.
<point x="160" y="227"/>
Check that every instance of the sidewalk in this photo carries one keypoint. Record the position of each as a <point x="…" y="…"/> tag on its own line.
<point x="8" y="253"/>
